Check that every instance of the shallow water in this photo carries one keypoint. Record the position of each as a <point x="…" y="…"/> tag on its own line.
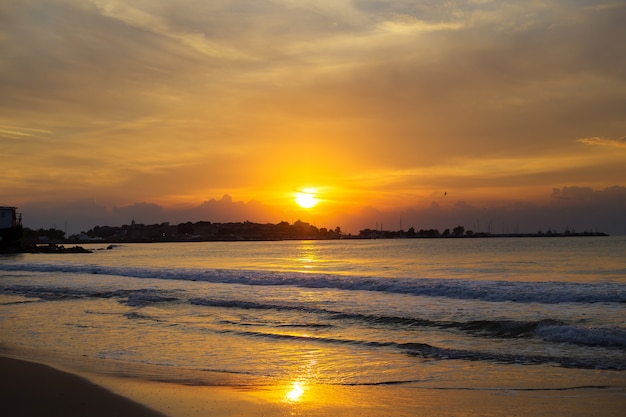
<point x="469" y="313"/>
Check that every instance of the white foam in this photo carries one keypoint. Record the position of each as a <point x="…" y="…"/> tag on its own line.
<point x="465" y="289"/>
<point x="608" y="337"/>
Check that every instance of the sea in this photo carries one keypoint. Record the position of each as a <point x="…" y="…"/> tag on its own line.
<point x="476" y="313"/>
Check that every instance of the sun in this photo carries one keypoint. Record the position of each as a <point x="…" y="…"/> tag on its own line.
<point x="306" y="198"/>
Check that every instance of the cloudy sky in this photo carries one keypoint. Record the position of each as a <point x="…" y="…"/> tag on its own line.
<point x="426" y="110"/>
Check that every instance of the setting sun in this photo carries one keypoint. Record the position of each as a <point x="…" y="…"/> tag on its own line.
<point x="306" y="198"/>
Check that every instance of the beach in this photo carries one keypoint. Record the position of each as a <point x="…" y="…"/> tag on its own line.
<point x="30" y="389"/>
<point x="311" y="328"/>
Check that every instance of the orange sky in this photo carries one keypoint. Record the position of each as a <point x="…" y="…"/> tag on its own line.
<point x="383" y="104"/>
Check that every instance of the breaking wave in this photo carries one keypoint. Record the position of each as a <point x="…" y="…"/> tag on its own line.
<point x="463" y="289"/>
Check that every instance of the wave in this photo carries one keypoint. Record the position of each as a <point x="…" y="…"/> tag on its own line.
<point x="427" y="351"/>
<point x="595" y="336"/>
<point x="134" y="298"/>
<point x="464" y="289"/>
<point x="551" y="332"/>
<point x="547" y="329"/>
<point x="498" y="389"/>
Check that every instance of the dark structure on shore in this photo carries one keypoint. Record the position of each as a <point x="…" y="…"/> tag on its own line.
<point x="460" y="232"/>
<point x="10" y="227"/>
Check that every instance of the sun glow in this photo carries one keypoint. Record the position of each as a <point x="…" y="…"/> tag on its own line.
<point x="306" y="198"/>
<point x="296" y="392"/>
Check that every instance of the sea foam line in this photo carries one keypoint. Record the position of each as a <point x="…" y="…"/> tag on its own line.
<point x="485" y="290"/>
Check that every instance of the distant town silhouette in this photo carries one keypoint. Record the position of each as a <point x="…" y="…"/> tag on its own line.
<point x="249" y="231"/>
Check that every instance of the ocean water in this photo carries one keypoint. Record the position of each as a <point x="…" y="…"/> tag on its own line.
<point x="499" y="313"/>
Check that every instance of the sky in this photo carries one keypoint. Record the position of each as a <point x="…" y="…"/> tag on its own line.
<point x="497" y="115"/>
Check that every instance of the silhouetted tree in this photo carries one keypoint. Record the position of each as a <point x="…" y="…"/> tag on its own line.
<point x="51" y="234"/>
<point x="185" y="228"/>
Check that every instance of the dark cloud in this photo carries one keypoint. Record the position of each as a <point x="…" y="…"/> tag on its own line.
<point x="83" y="215"/>
<point x="71" y="217"/>
<point x="576" y="208"/>
<point x="146" y="213"/>
<point x="227" y="210"/>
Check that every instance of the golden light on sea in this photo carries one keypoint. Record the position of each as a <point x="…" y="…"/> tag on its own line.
<point x="297" y="389"/>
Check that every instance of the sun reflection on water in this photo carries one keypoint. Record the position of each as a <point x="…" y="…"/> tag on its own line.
<point x="308" y="257"/>
<point x="297" y="389"/>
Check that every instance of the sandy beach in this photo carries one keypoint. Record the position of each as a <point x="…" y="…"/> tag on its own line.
<point x="31" y="389"/>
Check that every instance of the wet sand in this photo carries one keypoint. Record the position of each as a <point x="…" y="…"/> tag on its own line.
<point x="31" y="389"/>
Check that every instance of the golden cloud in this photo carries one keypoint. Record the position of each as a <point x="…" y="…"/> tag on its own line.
<point x="617" y="143"/>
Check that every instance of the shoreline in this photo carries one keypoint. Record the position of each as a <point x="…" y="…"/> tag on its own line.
<point x="59" y="246"/>
<point x="32" y="389"/>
